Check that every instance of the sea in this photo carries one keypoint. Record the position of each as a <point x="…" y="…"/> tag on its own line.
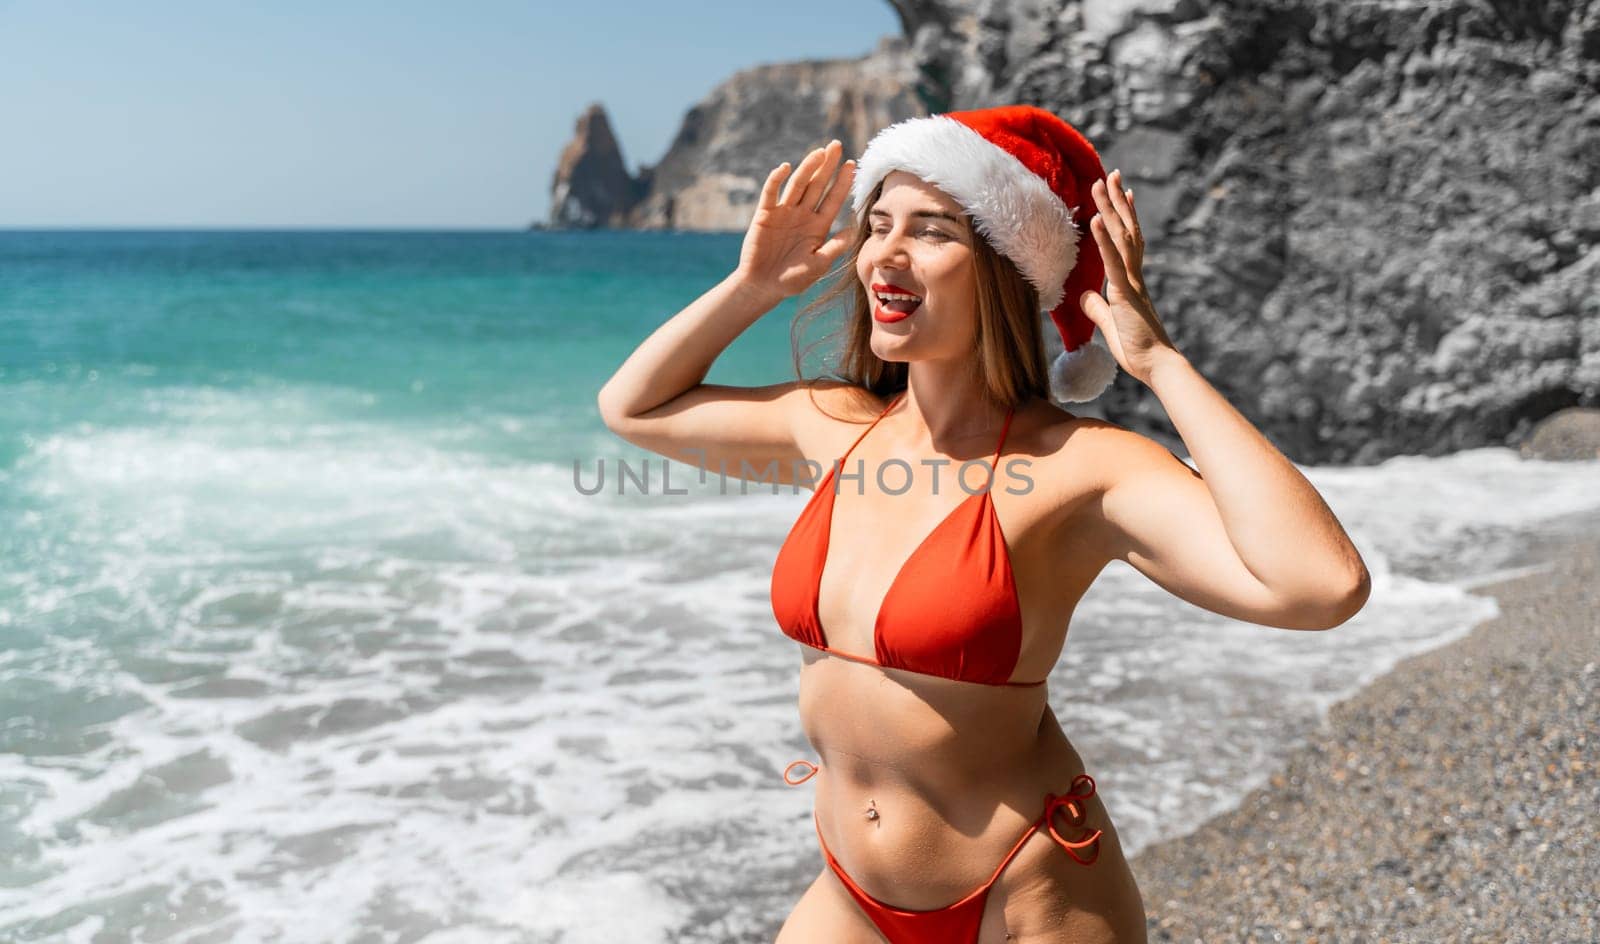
<point x="312" y="629"/>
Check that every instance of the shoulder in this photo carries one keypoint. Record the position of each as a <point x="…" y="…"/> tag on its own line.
<point x="1132" y="487"/>
<point x="1081" y="470"/>
<point x="1085" y="455"/>
<point x="1047" y="433"/>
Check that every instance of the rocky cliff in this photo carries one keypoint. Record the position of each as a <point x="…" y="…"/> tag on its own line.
<point x="1373" y="225"/>
<point x="749" y="124"/>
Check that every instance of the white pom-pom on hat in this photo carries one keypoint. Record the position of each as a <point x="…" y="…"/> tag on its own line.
<point x="1083" y="374"/>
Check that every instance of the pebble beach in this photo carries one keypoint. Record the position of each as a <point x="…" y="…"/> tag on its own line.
<point x="1454" y="799"/>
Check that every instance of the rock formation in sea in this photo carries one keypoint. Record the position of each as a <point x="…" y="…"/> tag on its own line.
<point x="1374" y="226"/>
<point x="592" y="187"/>
<point x="757" y="119"/>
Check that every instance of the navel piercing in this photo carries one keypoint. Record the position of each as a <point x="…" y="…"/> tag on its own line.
<point x="872" y="811"/>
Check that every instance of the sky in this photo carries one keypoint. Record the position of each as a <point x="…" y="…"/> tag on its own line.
<point x="358" y="113"/>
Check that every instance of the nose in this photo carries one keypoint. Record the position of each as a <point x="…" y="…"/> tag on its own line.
<point x="889" y="251"/>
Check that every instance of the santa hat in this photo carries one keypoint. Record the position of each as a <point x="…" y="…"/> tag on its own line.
<point x="1023" y="175"/>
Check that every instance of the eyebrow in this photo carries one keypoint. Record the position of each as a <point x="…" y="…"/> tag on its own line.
<point x="929" y="214"/>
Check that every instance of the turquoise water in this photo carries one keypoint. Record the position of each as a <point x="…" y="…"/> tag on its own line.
<point x="446" y="334"/>
<point x="306" y="633"/>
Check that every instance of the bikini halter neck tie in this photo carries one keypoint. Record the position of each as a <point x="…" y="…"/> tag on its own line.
<point x="1071" y="802"/>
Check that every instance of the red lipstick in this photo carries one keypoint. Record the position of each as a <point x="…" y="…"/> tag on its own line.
<point x="888" y="315"/>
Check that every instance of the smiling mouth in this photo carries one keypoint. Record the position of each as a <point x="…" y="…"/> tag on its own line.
<point x="894" y="305"/>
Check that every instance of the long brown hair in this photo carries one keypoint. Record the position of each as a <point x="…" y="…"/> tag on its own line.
<point x="1010" y="355"/>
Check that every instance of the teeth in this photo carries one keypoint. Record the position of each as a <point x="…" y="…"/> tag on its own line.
<point x="896" y="296"/>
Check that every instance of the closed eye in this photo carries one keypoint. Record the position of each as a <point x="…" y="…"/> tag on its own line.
<point x="941" y="234"/>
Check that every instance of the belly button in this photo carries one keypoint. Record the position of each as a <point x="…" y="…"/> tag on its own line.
<point x="872" y="809"/>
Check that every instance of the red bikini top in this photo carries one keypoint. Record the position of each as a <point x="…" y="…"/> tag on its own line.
<point x="951" y="611"/>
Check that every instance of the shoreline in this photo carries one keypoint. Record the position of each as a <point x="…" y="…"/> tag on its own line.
<point x="1448" y="799"/>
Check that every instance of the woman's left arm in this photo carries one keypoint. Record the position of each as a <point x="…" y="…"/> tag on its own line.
<point x="1254" y="501"/>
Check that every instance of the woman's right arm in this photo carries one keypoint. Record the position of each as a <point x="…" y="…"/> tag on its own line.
<point x="658" y="399"/>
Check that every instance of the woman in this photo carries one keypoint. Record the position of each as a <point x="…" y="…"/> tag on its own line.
<point x="952" y="807"/>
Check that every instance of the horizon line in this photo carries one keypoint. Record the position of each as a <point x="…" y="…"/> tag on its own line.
<point x="323" y="228"/>
<point x="190" y="227"/>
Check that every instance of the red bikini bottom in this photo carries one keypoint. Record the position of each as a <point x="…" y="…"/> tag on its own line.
<point x="958" y="923"/>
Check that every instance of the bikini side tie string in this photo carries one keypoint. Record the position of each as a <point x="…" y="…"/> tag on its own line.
<point x="809" y="774"/>
<point x="1071" y="801"/>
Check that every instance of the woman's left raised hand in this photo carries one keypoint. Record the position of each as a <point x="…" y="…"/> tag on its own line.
<point x="1124" y="313"/>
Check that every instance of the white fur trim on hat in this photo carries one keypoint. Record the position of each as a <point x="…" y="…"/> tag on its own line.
<point x="1081" y="375"/>
<point x="1009" y="204"/>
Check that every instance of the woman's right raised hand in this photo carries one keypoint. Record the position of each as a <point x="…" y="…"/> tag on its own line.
<point x="787" y="247"/>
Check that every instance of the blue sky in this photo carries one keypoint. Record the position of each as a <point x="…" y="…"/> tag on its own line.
<point x="358" y="113"/>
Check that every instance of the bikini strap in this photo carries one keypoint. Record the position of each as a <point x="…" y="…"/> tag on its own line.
<point x="1015" y="848"/>
<point x="994" y="464"/>
<point x="869" y="427"/>
<point x="1003" y="430"/>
